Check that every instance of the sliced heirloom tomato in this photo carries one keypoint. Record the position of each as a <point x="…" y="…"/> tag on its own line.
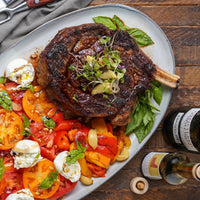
<point x="45" y="138"/>
<point x="11" y="127"/>
<point x="37" y="104"/>
<point x="33" y="177"/>
<point x="13" y="183"/>
<point x="61" y="140"/>
<point x="65" y="187"/>
<point x="2" y="185"/>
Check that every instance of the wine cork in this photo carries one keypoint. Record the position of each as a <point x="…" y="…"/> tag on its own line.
<point x="139" y="185"/>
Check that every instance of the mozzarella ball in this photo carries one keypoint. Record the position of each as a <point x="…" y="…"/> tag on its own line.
<point x="68" y="170"/>
<point x="20" y="71"/>
<point x="23" y="194"/>
<point x="26" y="153"/>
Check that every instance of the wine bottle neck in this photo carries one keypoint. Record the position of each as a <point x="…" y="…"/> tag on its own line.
<point x="188" y="169"/>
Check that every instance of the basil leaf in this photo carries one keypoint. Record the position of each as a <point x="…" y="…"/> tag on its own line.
<point x="48" y="181"/>
<point x="75" y="154"/>
<point x="157" y="91"/>
<point x="2" y="170"/>
<point x="26" y="126"/>
<point x="119" y="23"/>
<point x="5" y="100"/>
<point x="28" y="87"/>
<point x="48" y="122"/>
<point x="3" y="80"/>
<point x="143" y="116"/>
<point x="141" y="37"/>
<point x="107" y="21"/>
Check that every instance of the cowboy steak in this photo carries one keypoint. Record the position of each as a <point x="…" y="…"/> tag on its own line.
<point x="71" y="66"/>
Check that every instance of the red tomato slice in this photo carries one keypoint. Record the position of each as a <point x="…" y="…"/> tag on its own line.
<point x="81" y="136"/>
<point x="42" y="134"/>
<point x="61" y="140"/>
<point x="96" y="170"/>
<point x="58" y="117"/>
<point x="2" y="185"/>
<point x="13" y="183"/>
<point x="64" y="188"/>
<point x="48" y="153"/>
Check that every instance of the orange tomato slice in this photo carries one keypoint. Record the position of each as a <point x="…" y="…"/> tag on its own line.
<point x="37" y="104"/>
<point x="33" y="177"/>
<point x="11" y="127"/>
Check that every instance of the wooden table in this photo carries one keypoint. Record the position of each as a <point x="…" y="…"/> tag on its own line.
<point x="180" y="20"/>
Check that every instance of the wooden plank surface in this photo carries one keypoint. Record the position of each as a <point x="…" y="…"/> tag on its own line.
<point x="180" y="20"/>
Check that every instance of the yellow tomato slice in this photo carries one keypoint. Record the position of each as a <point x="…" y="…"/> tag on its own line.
<point x="37" y="104"/>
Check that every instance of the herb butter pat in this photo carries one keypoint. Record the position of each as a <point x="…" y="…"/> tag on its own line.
<point x="26" y="153"/>
<point x="23" y="194"/>
<point x="68" y="170"/>
<point x="20" y="71"/>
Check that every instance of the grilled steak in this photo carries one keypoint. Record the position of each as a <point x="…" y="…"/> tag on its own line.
<point x="69" y="65"/>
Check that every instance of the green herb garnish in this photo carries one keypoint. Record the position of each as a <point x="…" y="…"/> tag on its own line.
<point x="2" y="170"/>
<point x="107" y="21"/>
<point x="75" y="154"/>
<point x="26" y="126"/>
<point x="28" y="87"/>
<point x="143" y="116"/>
<point x="115" y="22"/>
<point x="5" y="100"/>
<point x="48" y="122"/>
<point x="48" y="181"/>
<point x="3" y="80"/>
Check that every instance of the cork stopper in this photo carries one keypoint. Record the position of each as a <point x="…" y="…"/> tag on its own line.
<point x="196" y="171"/>
<point x="139" y="185"/>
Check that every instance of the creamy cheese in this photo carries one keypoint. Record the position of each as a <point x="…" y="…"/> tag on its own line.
<point x="23" y="194"/>
<point x="26" y="153"/>
<point x="69" y="171"/>
<point x="20" y="71"/>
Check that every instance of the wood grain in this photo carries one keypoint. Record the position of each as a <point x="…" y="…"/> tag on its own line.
<point x="180" y="21"/>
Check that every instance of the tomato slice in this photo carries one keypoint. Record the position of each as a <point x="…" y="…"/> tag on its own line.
<point x="37" y="104"/>
<point x="41" y="134"/>
<point x="33" y="177"/>
<point x="48" y="153"/>
<point x="2" y="185"/>
<point x="61" y="140"/>
<point x="13" y="183"/>
<point x="8" y="162"/>
<point x="64" y="188"/>
<point x="96" y="170"/>
<point x="11" y="127"/>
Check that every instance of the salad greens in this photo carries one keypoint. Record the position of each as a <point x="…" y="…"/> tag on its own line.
<point x="115" y="22"/>
<point x="2" y="170"/>
<point x="75" y="154"/>
<point x="48" y="181"/>
<point x="26" y="126"/>
<point x="5" y="100"/>
<point x="142" y="117"/>
<point x="48" y="122"/>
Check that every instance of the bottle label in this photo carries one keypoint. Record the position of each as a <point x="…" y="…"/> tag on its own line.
<point x="176" y="128"/>
<point x="185" y="129"/>
<point x="151" y="165"/>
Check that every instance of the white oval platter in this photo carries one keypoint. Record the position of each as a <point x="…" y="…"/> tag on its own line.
<point x="160" y="52"/>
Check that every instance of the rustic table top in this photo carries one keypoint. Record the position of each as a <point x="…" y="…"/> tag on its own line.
<point x="180" y="20"/>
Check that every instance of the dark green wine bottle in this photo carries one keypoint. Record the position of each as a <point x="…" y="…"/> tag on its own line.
<point x="181" y="129"/>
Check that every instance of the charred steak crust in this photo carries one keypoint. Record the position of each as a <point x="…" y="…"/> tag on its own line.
<point x="75" y="43"/>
